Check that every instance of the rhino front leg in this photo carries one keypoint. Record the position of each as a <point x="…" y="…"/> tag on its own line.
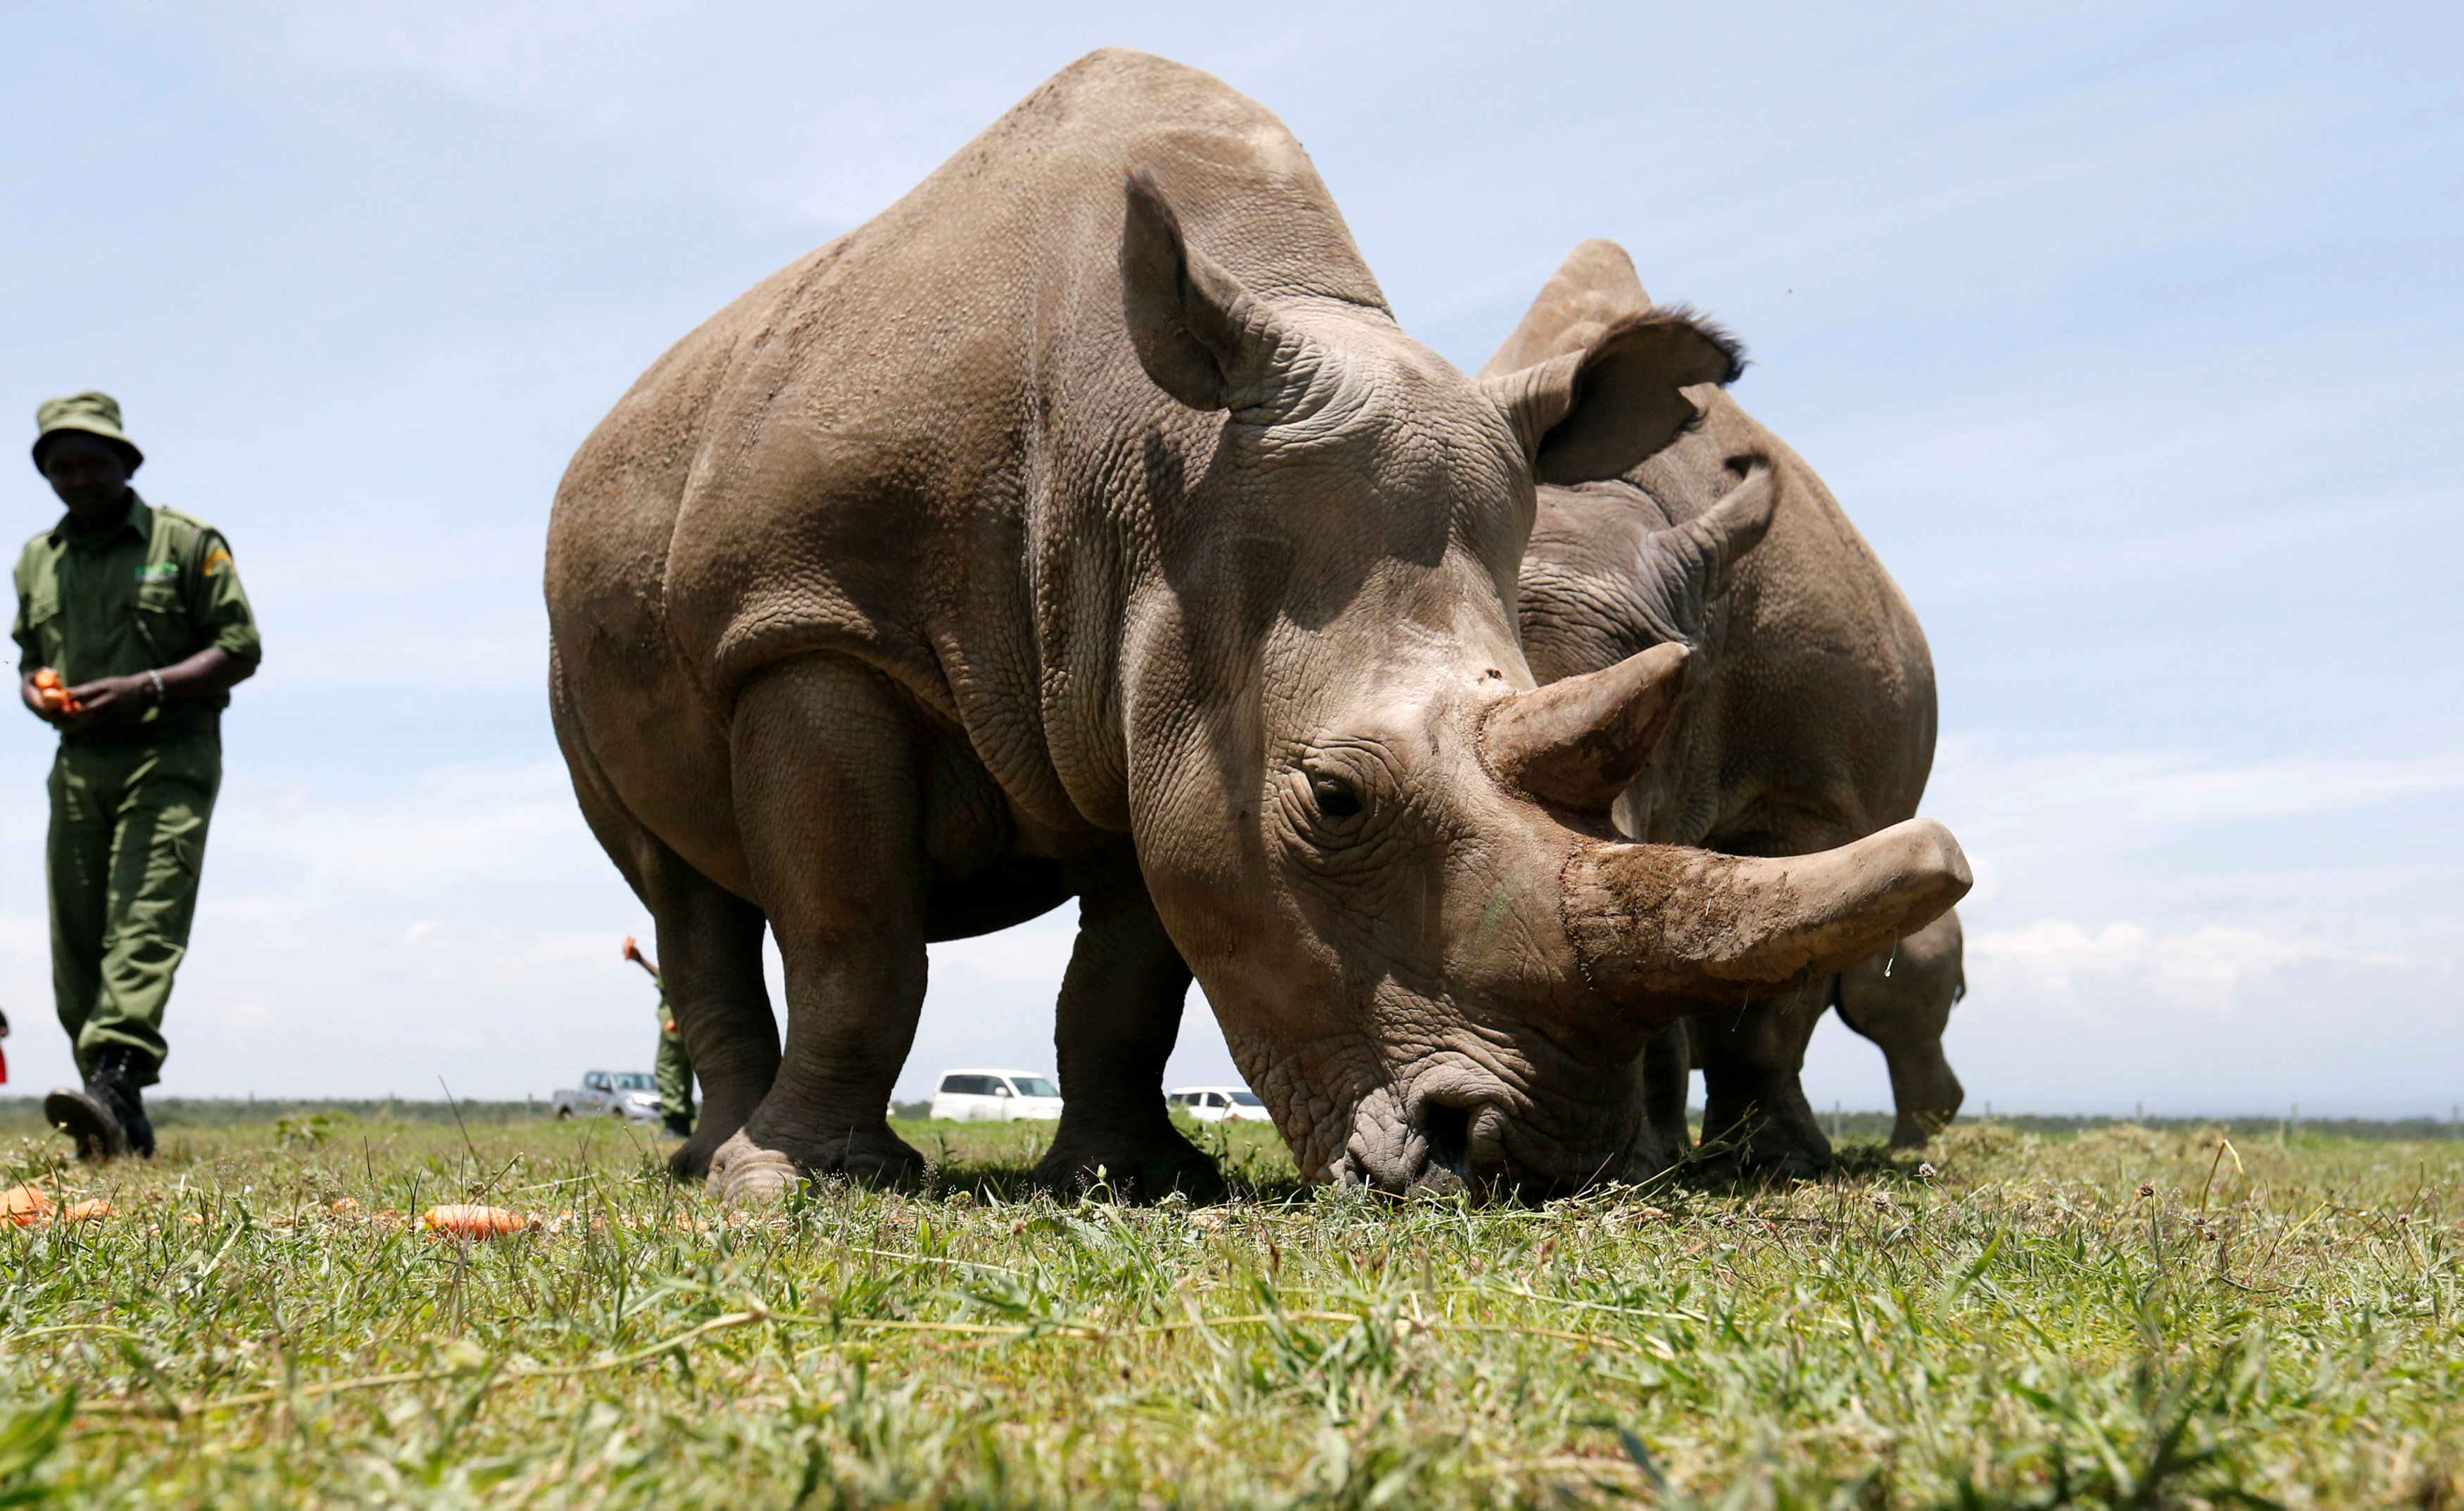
<point x="1755" y="1112"/>
<point x="826" y="759"/>
<point x="1119" y="1016"/>
<point x="1901" y="1000"/>
<point x="709" y="943"/>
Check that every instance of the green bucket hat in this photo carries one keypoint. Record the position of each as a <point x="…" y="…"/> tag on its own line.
<point x="94" y="413"/>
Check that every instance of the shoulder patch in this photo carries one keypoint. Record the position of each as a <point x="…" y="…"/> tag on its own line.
<point x="218" y="560"/>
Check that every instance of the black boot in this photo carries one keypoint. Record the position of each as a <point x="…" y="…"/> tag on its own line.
<point x="126" y="1066"/>
<point x="680" y="1124"/>
<point x="107" y="1116"/>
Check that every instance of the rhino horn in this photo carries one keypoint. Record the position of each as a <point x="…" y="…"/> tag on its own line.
<point x="1664" y="931"/>
<point x="1579" y="742"/>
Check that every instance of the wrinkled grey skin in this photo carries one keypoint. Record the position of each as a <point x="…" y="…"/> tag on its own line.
<point x="1084" y="526"/>
<point x="1810" y="721"/>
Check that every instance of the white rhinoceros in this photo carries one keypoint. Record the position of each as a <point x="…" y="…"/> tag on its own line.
<point x="1809" y="721"/>
<point x="1083" y="525"/>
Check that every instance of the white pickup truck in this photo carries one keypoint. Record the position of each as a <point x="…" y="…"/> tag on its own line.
<point x="633" y="1095"/>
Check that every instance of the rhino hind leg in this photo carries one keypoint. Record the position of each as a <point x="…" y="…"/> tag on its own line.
<point x="710" y="962"/>
<point x="1119" y="1016"/>
<point x="1901" y="1000"/>
<point x="709" y="948"/>
<point x="826" y="764"/>
<point x="1755" y="1117"/>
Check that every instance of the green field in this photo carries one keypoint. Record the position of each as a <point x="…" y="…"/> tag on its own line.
<point x="2120" y="1317"/>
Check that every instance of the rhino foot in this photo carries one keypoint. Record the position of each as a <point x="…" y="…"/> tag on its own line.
<point x="744" y="1170"/>
<point x="1764" y="1158"/>
<point x="693" y="1160"/>
<point x="1783" y="1169"/>
<point x="1133" y="1167"/>
<point x="1763" y="1131"/>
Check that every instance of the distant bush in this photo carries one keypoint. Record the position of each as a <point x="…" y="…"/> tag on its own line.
<point x="2407" y="1130"/>
<point x="25" y="1114"/>
<point x="307" y="1129"/>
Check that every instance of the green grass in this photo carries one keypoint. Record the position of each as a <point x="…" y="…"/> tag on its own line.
<point x="2122" y="1317"/>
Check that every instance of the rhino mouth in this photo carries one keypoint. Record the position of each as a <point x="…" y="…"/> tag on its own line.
<point x="1455" y="1128"/>
<point x="1445" y="1131"/>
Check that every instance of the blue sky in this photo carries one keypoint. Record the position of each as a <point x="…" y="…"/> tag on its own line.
<point x="2129" y="334"/>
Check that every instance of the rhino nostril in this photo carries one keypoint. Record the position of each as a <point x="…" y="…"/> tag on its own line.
<point x="1448" y="1132"/>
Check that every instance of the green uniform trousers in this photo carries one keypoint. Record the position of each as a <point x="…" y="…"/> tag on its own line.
<point x="674" y="1068"/>
<point x="127" y="845"/>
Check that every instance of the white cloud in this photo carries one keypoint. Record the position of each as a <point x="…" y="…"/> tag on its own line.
<point x="2201" y="967"/>
<point x="456" y="822"/>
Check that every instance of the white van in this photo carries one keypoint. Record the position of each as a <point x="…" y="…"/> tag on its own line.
<point x="995" y="1095"/>
<point x="1219" y="1104"/>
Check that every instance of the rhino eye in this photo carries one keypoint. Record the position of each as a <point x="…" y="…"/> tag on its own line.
<point x="1334" y="796"/>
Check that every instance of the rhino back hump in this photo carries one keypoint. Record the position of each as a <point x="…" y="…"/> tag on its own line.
<point x="926" y="445"/>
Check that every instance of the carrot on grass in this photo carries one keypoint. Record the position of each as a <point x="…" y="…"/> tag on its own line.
<point x="24" y="1205"/>
<point x="470" y="1222"/>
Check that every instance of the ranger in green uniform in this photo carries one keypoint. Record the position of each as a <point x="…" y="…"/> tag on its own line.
<point x="675" y="1070"/>
<point x="674" y="1064"/>
<point x="139" y="614"/>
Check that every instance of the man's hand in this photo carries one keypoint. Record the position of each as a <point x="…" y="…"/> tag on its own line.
<point x="118" y="701"/>
<point x="111" y="701"/>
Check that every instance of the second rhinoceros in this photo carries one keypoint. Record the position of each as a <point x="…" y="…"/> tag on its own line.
<point x="1084" y="526"/>
<point x="1808" y="722"/>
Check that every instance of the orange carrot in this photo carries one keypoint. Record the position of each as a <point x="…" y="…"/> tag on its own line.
<point x="53" y="694"/>
<point x="470" y="1222"/>
<point x="25" y="1206"/>
<point x="93" y="1211"/>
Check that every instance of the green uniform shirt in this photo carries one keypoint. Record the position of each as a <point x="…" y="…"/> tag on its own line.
<point x="149" y="592"/>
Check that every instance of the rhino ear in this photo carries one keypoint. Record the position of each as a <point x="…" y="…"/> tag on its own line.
<point x="1678" y="571"/>
<point x="1197" y="331"/>
<point x="1595" y="412"/>
<point x="1593" y="288"/>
